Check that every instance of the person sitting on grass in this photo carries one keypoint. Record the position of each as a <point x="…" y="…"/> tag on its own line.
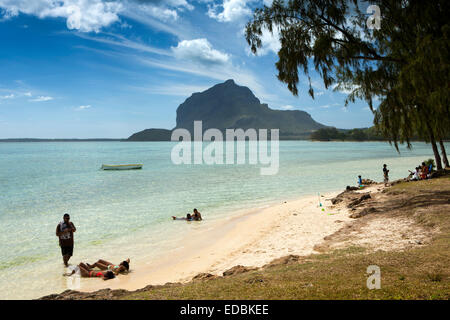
<point x="86" y="272"/>
<point x="360" y="183"/>
<point x="123" y="267"/>
<point x="414" y="175"/>
<point x="424" y="171"/>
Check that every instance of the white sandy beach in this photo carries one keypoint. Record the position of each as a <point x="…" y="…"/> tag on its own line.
<point x="250" y="238"/>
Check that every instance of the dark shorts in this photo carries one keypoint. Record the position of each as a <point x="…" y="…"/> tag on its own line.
<point x="67" y="251"/>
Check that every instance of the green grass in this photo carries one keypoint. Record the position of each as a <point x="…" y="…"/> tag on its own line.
<point x="419" y="273"/>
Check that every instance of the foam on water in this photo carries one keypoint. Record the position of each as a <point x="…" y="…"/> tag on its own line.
<point x="122" y="214"/>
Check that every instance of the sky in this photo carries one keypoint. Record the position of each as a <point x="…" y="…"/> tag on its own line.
<point x="110" y="68"/>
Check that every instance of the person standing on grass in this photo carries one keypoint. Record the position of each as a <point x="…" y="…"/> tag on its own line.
<point x="65" y="230"/>
<point x="386" y="175"/>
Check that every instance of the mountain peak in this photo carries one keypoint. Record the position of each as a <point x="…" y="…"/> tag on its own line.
<point x="228" y="105"/>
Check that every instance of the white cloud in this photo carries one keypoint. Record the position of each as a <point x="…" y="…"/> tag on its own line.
<point x="327" y="106"/>
<point x="287" y="107"/>
<point x="92" y="15"/>
<point x="199" y="51"/>
<point x="121" y="41"/>
<point x="345" y="90"/>
<point x="232" y="10"/>
<point x="6" y="14"/>
<point x="219" y="72"/>
<point x="83" y="15"/>
<point x="9" y="96"/>
<point x="83" y="107"/>
<point x="27" y="94"/>
<point x="41" y="99"/>
<point x="270" y="42"/>
<point x="153" y="22"/>
<point x="159" y="12"/>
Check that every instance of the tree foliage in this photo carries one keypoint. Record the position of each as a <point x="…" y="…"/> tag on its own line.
<point x="404" y="64"/>
<point x="331" y="133"/>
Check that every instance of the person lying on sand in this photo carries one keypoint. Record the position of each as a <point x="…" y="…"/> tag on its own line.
<point x="187" y="218"/>
<point x="86" y="272"/>
<point x="124" y="266"/>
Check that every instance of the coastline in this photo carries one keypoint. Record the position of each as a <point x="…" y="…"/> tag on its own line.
<point x="149" y="237"/>
<point x="252" y="238"/>
<point x="393" y="227"/>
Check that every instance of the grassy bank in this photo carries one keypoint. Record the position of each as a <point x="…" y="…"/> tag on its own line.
<point x="418" y="273"/>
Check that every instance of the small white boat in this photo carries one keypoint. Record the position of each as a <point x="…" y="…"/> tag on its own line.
<point x="121" y="166"/>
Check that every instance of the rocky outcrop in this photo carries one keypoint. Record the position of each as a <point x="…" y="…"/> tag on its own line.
<point x="290" y="259"/>
<point x="363" y="212"/>
<point x="358" y="200"/>
<point x="204" y="276"/>
<point x="237" y="270"/>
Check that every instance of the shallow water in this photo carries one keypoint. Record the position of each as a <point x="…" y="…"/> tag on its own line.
<point x="122" y="214"/>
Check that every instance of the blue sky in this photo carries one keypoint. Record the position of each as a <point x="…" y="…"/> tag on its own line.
<point x="98" y="68"/>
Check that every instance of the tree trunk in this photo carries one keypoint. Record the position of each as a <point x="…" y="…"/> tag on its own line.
<point x="435" y="149"/>
<point x="444" y="153"/>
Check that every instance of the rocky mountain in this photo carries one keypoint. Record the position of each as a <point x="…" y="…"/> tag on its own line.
<point x="227" y="106"/>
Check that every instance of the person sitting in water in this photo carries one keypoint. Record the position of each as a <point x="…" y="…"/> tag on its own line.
<point x="86" y="272"/>
<point x="197" y="216"/>
<point x="188" y="217"/>
<point x="123" y="267"/>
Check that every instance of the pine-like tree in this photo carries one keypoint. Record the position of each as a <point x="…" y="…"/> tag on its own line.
<point x="404" y="63"/>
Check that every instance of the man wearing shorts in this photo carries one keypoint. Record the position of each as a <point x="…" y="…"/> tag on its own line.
<point x="65" y="230"/>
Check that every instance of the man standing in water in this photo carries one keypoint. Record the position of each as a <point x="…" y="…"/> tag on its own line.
<point x="65" y="230"/>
